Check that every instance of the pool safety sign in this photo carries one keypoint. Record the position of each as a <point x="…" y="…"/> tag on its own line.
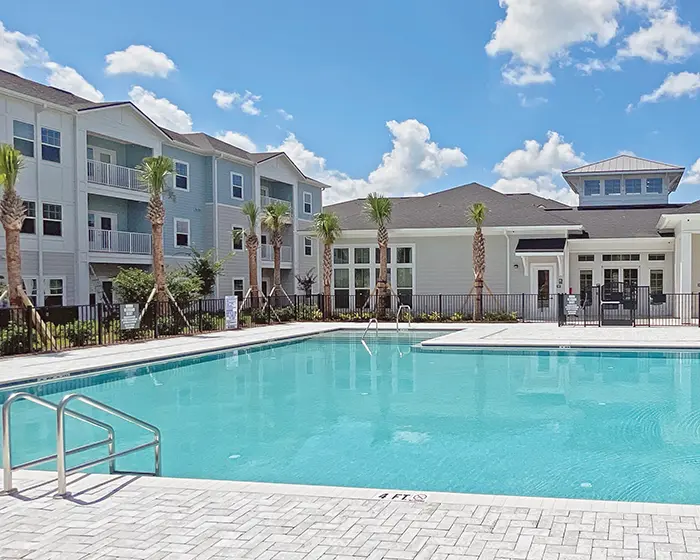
<point x="129" y="316"/>
<point x="231" y="305"/>
<point x="571" y="306"/>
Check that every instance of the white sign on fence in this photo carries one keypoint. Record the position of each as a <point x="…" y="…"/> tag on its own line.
<point x="571" y="304"/>
<point x="129" y="315"/>
<point x="231" y="304"/>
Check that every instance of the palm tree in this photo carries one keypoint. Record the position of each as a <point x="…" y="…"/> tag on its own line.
<point x="252" y="212"/>
<point x="328" y="230"/>
<point x="12" y="214"/>
<point x="476" y="214"/>
<point x="377" y="209"/>
<point x="276" y="218"/>
<point x="153" y="172"/>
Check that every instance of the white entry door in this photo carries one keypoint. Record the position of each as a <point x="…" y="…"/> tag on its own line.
<point x="542" y="284"/>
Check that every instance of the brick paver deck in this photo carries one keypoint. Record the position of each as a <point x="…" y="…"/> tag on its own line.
<point x="141" y="518"/>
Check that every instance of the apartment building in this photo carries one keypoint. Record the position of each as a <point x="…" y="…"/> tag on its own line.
<point x="86" y="208"/>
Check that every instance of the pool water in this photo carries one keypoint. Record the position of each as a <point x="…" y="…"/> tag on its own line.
<point x="322" y="410"/>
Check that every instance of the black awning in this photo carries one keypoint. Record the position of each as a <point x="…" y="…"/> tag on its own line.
<point x="549" y="245"/>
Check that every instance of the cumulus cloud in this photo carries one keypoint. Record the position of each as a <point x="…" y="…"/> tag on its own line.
<point x="67" y="78"/>
<point x="530" y="102"/>
<point x="413" y="161"/>
<point x="674" y="86"/>
<point x="246" y="101"/>
<point x="18" y="50"/>
<point x="286" y="116"/>
<point x="665" y="40"/>
<point x="139" y="59"/>
<point x="161" y="110"/>
<point x="693" y="176"/>
<point x="537" y="168"/>
<point x="237" y="139"/>
<point x="597" y="65"/>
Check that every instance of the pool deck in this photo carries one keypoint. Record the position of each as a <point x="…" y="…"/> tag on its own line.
<point x="161" y="518"/>
<point x="164" y="518"/>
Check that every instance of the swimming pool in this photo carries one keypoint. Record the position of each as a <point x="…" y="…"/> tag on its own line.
<point x="322" y="410"/>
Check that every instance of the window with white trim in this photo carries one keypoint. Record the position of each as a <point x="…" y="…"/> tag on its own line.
<point x="586" y="258"/>
<point x="656" y="282"/>
<point x="341" y="287"/>
<point x="23" y="138"/>
<point x="29" y="224"/>
<point x="404" y="255"/>
<point x="50" y="145"/>
<point x="182" y="232"/>
<point x="341" y="255"/>
<point x="633" y="186"/>
<point x="655" y="185"/>
<point x="236" y="185"/>
<point x="238" y="288"/>
<point x="657" y="257"/>
<point x="53" y="219"/>
<point x="237" y="238"/>
<point x="182" y="175"/>
<point x="591" y="188"/>
<point x="31" y="288"/>
<point x="308" y="203"/>
<point x="612" y="187"/>
<point x="308" y="247"/>
<point x="53" y="291"/>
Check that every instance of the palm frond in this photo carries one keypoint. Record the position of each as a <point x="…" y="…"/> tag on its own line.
<point x="377" y="208"/>
<point x="153" y="172"/>
<point x="252" y="212"/>
<point x="476" y="213"/>
<point x="276" y="216"/>
<point x="11" y="163"/>
<point x="327" y="227"/>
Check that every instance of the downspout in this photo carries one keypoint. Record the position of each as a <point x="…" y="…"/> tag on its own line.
<point x="76" y="238"/>
<point x="215" y="200"/>
<point x="40" y="289"/>
<point x="507" y="261"/>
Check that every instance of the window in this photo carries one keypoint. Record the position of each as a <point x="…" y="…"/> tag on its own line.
<point x="633" y="186"/>
<point x="238" y="288"/>
<point x="341" y="285"/>
<point x="404" y="255"/>
<point x="404" y="285"/>
<point x="388" y="255"/>
<point x="23" y="137"/>
<point x="362" y="287"/>
<point x="659" y="257"/>
<point x="612" y="186"/>
<point x="308" y="247"/>
<point x="586" y="258"/>
<point x="53" y="216"/>
<point x="308" y="206"/>
<point x="182" y="175"/>
<point x="620" y="258"/>
<point x="182" y="232"/>
<point x="341" y="256"/>
<point x="591" y="188"/>
<point x="53" y="294"/>
<point x="362" y="255"/>
<point x="50" y="145"/>
<point x="237" y="238"/>
<point x="31" y="288"/>
<point x="29" y="224"/>
<point x="237" y="186"/>
<point x="656" y="282"/>
<point x="586" y="287"/>
<point x="655" y="186"/>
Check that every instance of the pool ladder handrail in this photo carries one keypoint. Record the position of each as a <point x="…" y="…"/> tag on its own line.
<point x="376" y="327"/>
<point x="61" y="452"/>
<point x="398" y="315"/>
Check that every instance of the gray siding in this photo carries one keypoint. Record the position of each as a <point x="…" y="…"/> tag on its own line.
<point x="312" y="262"/>
<point x="131" y="214"/>
<point x="61" y="265"/>
<point x="237" y="265"/>
<point x="224" y="169"/>
<point x="315" y="200"/>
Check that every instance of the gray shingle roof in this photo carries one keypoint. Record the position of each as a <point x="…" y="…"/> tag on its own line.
<point x="448" y="208"/>
<point x="538" y="201"/>
<point x="625" y="163"/>
<point x="40" y="91"/>
<point x="617" y="222"/>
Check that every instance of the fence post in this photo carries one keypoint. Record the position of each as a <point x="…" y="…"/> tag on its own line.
<point x="296" y="305"/>
<point x="440" y="304"/>
<point x="30" y="337"/>
<point x="699" y="310"/>
<point x="269" y="311"/>
<point x="100" y="335"/>
<point x="522" y="306"/>
<point x="156" y="305"/>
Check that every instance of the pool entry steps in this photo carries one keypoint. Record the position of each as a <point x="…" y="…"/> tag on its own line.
<point x="62" y="411"/>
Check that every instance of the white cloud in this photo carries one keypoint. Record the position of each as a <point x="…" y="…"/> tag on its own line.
<point x="693" y="176"/>
<point x="626" y="153"/>
<point x="237" y="139"/>
<point x="597" y="65"/>
<point x="139" y="59"/>
<point x="665" y="40"/>
<point x="413" y="161"/>
<point x="530" y="102"/>
<point x="67" y="78"/>
<point x="526" y="75"/>
<point x="246" y="101"/>
<point x="674" y="86"/>
<point x="286" y="116"/>
<point x="18" y="50"/>
<point x="543" y="186"/>
<point x="552" y="157"/>
<point x="161" y="110"/>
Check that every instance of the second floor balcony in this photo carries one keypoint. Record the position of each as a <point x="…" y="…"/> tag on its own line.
<point x="265" y="201"/>
<point x="119" y="242"/>
<point x="267" y="254"/>
<point x="113" y="175"/>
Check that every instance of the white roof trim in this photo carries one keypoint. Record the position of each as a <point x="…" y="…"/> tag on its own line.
<point x="624" y="164"/>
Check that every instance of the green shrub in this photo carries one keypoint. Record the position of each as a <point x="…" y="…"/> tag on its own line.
<point x="81" y="333"/>
<point x="14" y="339"/>
<point x="458" y="317"/>
<point x="501" y="317"/>
<point x="309" y="313"/>
<point x="212" y="322"/>
<point x="168" y="326"/>
<point x="356" y="316"/>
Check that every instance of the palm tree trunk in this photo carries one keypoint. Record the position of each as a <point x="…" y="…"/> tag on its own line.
<point x="381" y="283"/>
<point x="327" y="277"/>
<point x="479" y="258"/>
<point x="277" y="275"/>
<point x="159" y="263"/>
<point x="253" y="273"/>
<point x="14" y="266"/>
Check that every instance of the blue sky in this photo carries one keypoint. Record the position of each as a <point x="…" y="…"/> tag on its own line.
<point x="569" y="78"/>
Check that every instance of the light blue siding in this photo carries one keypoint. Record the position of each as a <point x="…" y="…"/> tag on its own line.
<point x="315" y="201"/>
<point x="190" y="205"/>
<point x="128" y="155"/>
<point x="135" y="154"/>
<point x="276" y="189"/>
<point x="224" y="169"/>
<point x="131" y="214"/>
<point x="137" y="221"/>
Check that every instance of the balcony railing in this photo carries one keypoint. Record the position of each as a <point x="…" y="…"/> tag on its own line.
<point x="267" y="253"/>
<point x="124" y="242"/>
<point x="265" y="201"/>
<point x="113" y="175"/>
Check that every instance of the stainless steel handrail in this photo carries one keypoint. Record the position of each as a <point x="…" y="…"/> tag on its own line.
<point x="7" y="445"/>
<point x="398" y="315"/>
<point x="61" y="452"/>
<point x="376" y="327"/>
